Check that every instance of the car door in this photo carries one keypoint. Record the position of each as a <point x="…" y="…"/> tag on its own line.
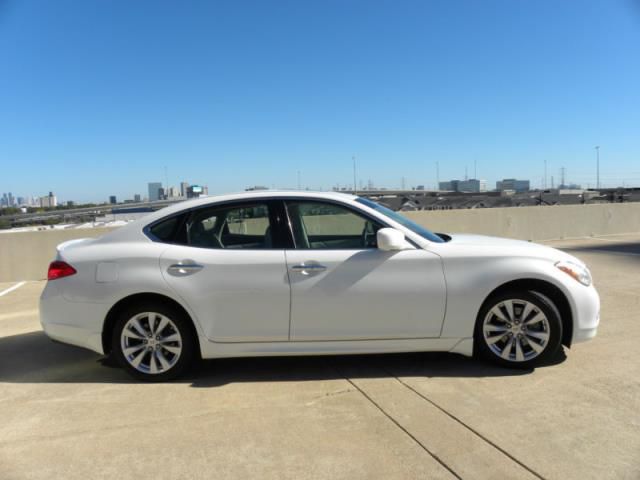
<point x="229" y="267"/>
<point x="344" y="288"/>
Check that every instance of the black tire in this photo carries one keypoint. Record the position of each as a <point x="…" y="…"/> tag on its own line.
<point x="180" y="323"/>
<point x="550" y="349"/>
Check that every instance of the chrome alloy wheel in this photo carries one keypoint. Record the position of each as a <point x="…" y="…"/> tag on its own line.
<point x="516" y="330"/>
<point x="151" y="342"/>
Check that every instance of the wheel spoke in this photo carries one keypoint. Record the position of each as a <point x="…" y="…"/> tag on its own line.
<point x="495" y="328"/>
<point x="519" y="353"/>
<point x="164" y="321"/>
<point x="534" y="345"/>
<point x="131" y="350"/>
<point x="508" y="305"/>
<point x="495" y="339"/>
<point x="131" y="334"/>
<point x="139" y="328"/>
<point x="152" y="323"/>
<point x="528" y="307"/>
<point x="544" y="336"/>
<point x="175" y="337"/>
<point x="153" y="366"/>
<point x="498" y="313"/>
<point x="537" y="318"/>
<point x="136" y="361"/>
<point x="507" y="349"/>
<point x="163" y="360"/>
<point x="174" y="350"/>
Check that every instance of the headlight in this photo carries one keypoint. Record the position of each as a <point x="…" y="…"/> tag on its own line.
<point x="579" y="272"/>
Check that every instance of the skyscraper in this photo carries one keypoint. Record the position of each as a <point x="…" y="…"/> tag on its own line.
<point x="154" y="191"/>
<point x="184" y="187"/>
<point x="49" y="201"/>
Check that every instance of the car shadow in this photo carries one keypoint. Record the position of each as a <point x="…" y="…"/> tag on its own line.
<point x="33" y="358"/>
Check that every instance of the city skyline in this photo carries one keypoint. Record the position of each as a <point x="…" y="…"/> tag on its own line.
<point x="280" y="95"/>
<point x="552" y="180"/>
<point x="184" y="190"/>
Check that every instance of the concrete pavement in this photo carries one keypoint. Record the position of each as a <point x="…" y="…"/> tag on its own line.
<point x="64" y="413"/>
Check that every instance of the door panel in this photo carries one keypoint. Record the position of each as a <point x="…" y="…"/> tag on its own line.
<point x="237" y="295"/>
<point x="231" y="271"/>
<point x="365" y="294"/>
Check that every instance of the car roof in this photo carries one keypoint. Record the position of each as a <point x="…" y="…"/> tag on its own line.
<point x="261" y="194"/>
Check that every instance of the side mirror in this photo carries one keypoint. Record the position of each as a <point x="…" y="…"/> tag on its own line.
<point x="390" y="239"/>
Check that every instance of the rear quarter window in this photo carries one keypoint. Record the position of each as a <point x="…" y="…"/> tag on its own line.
<point x="168" y="230"/>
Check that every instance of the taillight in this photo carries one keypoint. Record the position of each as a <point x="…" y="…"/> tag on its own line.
<point x="59" y="269"/>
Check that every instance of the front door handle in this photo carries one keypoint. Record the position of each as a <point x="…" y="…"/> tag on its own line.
<point x="184" y="268"/>
<point x="307" y="269"/>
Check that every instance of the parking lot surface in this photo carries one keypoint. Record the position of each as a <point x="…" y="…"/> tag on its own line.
<point x="66" y="413"/>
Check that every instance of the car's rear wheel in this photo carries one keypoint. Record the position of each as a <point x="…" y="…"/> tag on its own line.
<point x="518" y="329"/>
<point x="153" y="342"/>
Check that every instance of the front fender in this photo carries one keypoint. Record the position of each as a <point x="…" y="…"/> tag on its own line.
<point x="470" y="281"/>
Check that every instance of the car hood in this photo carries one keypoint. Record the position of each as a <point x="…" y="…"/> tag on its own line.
<point x="509" y="246"/>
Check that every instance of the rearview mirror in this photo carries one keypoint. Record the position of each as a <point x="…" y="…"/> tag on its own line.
<point x="390" y="239"/>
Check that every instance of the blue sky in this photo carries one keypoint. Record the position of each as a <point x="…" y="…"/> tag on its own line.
<point x="97" y="97"/>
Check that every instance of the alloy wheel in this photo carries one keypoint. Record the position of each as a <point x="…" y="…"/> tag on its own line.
<point x="516" y="330"/>
<point x="151" y="343"/>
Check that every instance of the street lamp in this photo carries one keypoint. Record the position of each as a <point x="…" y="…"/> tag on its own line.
<point x="355" y="186"/>
<point x="598" y="167"/>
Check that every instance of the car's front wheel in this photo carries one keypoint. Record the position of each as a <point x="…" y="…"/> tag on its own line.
<point x="518" y="329"/>
<point x="153" y="342"/>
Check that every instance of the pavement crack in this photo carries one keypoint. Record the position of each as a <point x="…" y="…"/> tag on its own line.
<point x="397" y="424"/>
<point x="468" y="427"/>
<point x="329" y="394"/>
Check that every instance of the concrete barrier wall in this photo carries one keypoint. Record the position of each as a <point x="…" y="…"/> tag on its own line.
<point x="536" y="223"/>
<point x="26" y="255"/>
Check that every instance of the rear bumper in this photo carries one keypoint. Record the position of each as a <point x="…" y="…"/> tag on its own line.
<point x="75" y="323"/>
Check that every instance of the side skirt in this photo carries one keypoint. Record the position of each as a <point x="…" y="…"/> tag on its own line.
<point x="463" y="346"/>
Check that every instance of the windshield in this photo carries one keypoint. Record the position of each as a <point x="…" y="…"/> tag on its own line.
<point x="404" y="221"/>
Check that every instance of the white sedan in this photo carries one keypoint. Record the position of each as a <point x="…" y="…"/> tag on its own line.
<point x="293" y="273"/>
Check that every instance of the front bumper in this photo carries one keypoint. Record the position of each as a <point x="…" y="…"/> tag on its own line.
<point x="586" y="313"/>
<point x="75" y="323"/>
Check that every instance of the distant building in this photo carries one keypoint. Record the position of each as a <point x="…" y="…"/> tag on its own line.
<point x="113" y="200"/>
<point x="571" y="186"/>
<point x="136" y="198"/>
<point x="194" y="191"/>
<point x="256" y="187"/>
<point x="472" y="185"/>
<point x="156" y="191"/>
<point x="517" y="186"/>
<point x="184" y="186"/>
<point x="450" y="186"/>
<point x="173" y="193"/>
<point x="49" y="201"/>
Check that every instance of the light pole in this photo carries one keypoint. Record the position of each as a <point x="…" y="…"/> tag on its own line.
<point x="355" y="185"/>
<point x="598" y="167"/>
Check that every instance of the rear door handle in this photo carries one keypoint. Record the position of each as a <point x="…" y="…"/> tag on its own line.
<point x="184" y="268"/>
<point x="306" y="269"/>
